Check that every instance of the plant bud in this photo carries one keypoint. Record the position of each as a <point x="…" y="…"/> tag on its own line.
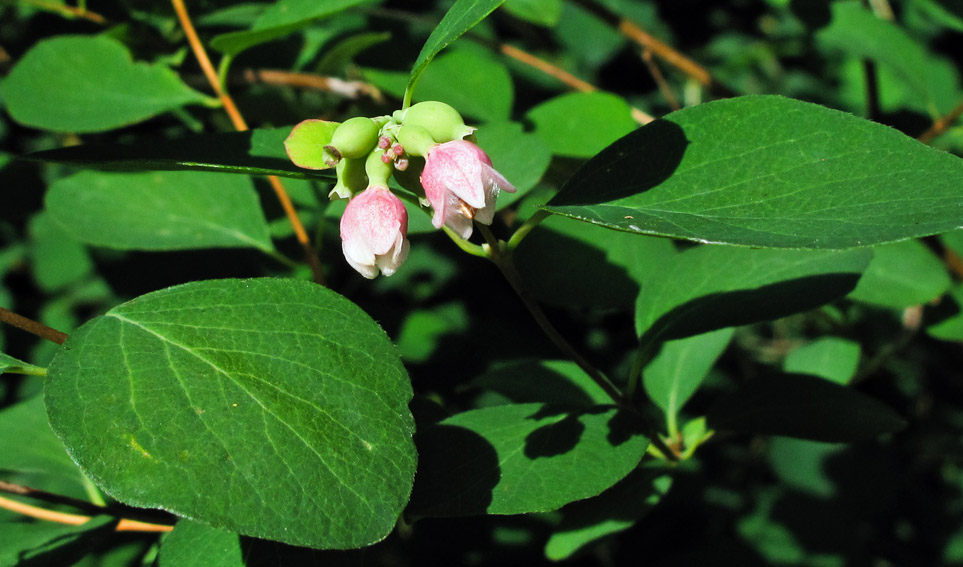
<point x="442" y="122"/>
<point x="351" y="179"/>
<point x="353" y="139"/>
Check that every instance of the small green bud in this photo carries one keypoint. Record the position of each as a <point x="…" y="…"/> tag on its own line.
<point x="353" y="139"/>
<point x="415" y="139"/>
<point x="442" y="122"/>
<point x="351" y="179"/>
<point x="378" y="169"/>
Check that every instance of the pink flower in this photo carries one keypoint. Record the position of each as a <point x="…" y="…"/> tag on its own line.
<point x="374" y="227"/>
<point x="461" y="185"/>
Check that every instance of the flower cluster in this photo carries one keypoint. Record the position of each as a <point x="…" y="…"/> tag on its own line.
<point x="456" y="179"/>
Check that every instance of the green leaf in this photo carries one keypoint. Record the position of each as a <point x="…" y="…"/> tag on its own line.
<point x="29" y="445"/>
<point x="461" y="17"/>
<point x="901" y="275"/>
<point x="613" y="511"/>
<point x="255" y="152"/>
<point x="541" y="12"/>
<point x="281" y="19"/>
<point x="472" y="81"/>
<point x="160" y="211"/>
<point x="89" y="84"/>
<point x="802" y="464"/>
<point x="805" y="407"/>
<point x="856" y="31"/>
<point x="58" y="259"/>
<point x="520" y="458"/>
<point x="771" y="172"/>
<point x="303" y="145"/>
<point x="678" y="370"/>
<point x="11" y="364"/>
<point x="193" y="544"/>
<point x="273" y="408"/>
<point x="46" y="543"/>
<point x="582" y="124"/>
<point x="711" y="287"/>
<point x="832" y="358"/>
<point x="557" y="382"/>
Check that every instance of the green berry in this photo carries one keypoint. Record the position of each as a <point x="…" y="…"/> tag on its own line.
<point x="353" y="139"/>
<point x="442" y="122"/>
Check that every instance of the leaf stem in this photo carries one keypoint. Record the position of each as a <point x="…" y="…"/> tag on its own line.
<point x="941" y="124"/>
<point x="501" y="256"/>
<point x="31" y="326"/>
<point x="526" y="227"/>
<point x="240" y="125"/>
<point x="68" y="11"/>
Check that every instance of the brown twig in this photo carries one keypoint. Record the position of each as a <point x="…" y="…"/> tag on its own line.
<point x="240" y="125"/>
<point x="659" y="79"/>
<point x="124" y="524"/>
<point x="660" y="49"/>
<point x="347" y="89"/>
<point x="941" y="124"/>
<point x="563" y="76"/>
<point x="68" y="11"/>
<point x="31" y="326"/>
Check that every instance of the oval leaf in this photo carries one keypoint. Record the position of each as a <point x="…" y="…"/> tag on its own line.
<point x="711" y="287"/>
<point x="89" y="84"/>
<point x="770" y="172"/>
<point x="460" y="18"/>
<point x="306" y="140"/>
<point x="520" y="458"/>
<point x="173" y="210"/>
<point x="273" y="408"/>
<point x="806" y="407"/>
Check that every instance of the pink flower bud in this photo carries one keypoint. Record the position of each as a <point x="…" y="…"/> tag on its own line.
<point x="374" y="227"/>
<point x="461" y="185"/>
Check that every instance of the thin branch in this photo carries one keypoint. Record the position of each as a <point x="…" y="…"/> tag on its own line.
<point x="941" y="125"/>
<point x="67" y="11"/>
<point x="660" y="79"/>
<point x="124" y="524"/>
<point x="347" y="89"/>
<point x="660" y="49"/>
<point x="502" y="258"/>
<point x="563" y="76"/>
<point x="240" y="125"/>
<point x="31" y="326"/>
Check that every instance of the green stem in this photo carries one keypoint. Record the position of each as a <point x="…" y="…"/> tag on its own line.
<point x="501" y="256"/>
<point x="526" y="227"/>
<point x="473" y="249"/>
<point x="222" y="69"/>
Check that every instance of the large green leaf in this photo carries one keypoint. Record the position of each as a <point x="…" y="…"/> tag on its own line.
<point x="611" y="512"/>
<point x="833" y="358"/>
<point x="28" y="544"/>
<point x="29" y="446"/>
<point x="193" y="544"/>
<point x="582" y="124"/>
<point x="273" y="408"/>
<point x="172" y="210"/>
<point x="902" y="274"/>
<point x="558" y="382"/>
<point x="461" y="17"/>
<point x="806" y="407"/>
<point x="768" y="171"/>
<point x="255" y="152"/>
<point x="281" y="19"/>
<point x="89" y="84"/>
<point x="711" y="287"/>
<point x="472" y="81"/>
<point x="520" y="458"/>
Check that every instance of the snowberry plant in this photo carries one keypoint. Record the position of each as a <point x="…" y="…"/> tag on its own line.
<point x="701" y="319"/>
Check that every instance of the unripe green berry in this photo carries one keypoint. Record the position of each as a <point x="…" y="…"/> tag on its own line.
<point x="352" y="140"/>
<point x="415" y="139"/>
<point x="442" y="122"/>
